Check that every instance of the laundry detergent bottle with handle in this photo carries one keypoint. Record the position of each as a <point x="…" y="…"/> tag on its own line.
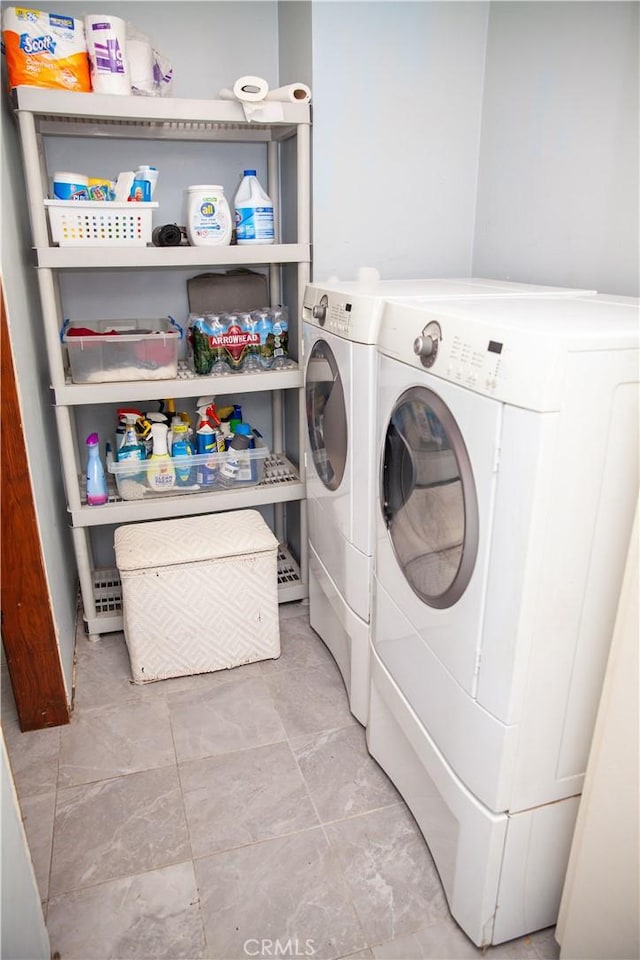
<point x="253" y="211"/>
<point x="96" y="479"/>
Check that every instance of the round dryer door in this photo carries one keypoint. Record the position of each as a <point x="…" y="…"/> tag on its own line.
<point x="429" y="498"/>
<point x="326" y="415"/>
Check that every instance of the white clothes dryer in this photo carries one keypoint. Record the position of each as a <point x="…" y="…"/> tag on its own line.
<point x="507" y="443"/>
<point x="340" y="328"/>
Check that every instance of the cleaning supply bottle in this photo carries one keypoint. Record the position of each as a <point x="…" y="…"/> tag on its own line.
<point x="206" y="441"/>
<point x="235" y="464"/>
<point x="246" y="465"/>
<point x="208" y="216"/>
<point x="161" y="474"/>
<point x="130" y="448"/>
<point x="96" y="479"/>
<point x="253" y="211"/>
<point x="180" y="448"/>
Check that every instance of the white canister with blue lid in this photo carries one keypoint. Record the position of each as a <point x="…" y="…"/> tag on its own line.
<point x="208" y="216"/>
<point x="70" y="186"/>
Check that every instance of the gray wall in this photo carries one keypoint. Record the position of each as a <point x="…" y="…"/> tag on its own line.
<point x="24" y="935"/>
<point x="449" y="138"/>
<point x="397" y="93"/>
<point x="38" y="422"/>
<point x="558" y="177"/>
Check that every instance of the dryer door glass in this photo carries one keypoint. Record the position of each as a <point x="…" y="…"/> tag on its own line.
<point x="326" y="415"/>
<point x="429" y="498"/>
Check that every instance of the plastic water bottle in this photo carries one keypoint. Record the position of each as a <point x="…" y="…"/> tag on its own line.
<point x="251" y="360"/>
<point x="264" y="328"/>
<point x="96" y="479"/>
<point x="253" y="211"/>
<point x="280" y="328"/>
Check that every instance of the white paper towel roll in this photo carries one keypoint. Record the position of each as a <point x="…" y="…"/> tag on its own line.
<point x="140" y="57"/>
<point x="107" y="48"/>
<point x="291" y="93"/>
<point x="247" y="89"/>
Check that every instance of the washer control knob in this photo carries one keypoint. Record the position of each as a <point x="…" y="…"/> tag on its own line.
<point x="319" y="311"/>
<point x="426" y="345"/>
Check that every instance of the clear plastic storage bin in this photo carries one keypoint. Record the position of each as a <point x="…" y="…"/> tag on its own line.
<point x="106" y="223"/>
<point x="202" y="473"/>
<point x="138" y="350"/>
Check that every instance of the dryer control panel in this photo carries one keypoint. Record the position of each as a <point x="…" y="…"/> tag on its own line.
<point x="514" y="366"/>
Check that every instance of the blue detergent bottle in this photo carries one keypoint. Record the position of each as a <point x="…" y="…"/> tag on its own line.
<point x="181" y="448"/>
<point x="96" y="478"/>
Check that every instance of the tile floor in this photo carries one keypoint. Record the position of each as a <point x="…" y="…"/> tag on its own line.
<point x="198" y="817"/>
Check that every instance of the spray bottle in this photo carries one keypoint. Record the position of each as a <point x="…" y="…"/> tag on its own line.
<point x="161" y="474"/>
<point x="206" y="440"/>
<point x="130" y="448"/>
<point x="96" y="479"/>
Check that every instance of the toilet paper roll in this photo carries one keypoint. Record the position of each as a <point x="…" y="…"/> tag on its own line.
<point x="107" y="48"/>
<point x="247" y="89"/>
<point x="140" y="58"/>
<point x="291" y="93"/>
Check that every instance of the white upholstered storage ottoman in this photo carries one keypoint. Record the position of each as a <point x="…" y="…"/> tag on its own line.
<point x="198" y="593"/>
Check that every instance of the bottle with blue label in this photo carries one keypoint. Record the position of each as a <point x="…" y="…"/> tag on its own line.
<point x="181" y="448"/>
<point x="264" y="329"/>
<point x="280" y="321"/>
<point x="253" y="211"/>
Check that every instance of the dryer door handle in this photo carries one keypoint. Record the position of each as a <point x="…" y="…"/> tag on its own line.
<point x="398" y="473"/>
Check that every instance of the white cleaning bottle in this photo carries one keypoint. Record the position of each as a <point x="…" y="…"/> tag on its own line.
<point x="254" y="211"/>
<point x="161" y="474"/>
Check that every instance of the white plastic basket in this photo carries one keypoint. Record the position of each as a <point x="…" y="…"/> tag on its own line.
<point x="105" y="223"/>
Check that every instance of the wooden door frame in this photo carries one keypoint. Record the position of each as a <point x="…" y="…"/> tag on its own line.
<point x="28" y="629"/>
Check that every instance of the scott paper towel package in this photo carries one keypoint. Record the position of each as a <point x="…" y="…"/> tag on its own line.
<point x="45" y="49"/>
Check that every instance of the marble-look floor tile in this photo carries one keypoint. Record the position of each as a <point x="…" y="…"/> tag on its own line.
<point x="545" y="944"/>
<point x="296" y="608"/>
<point x="360" y="955"/>
<point x="33" y="757"/>
<point x="117" y="827"/>
<point x="229" y="717"/>
<point x="239" y="798"/>
<point x="300" y="647"/>
<point x="310" y="699"/>
<point x="443" y="939"/>
<point x="394" y="883"/>
<point x="287" y="889"/>
<point x="113" y="741"/>
<point x="37" y="815"/>
<point x="149" y="916"/>
<point x="104" y="676"/>
<point x="343" y="779"/>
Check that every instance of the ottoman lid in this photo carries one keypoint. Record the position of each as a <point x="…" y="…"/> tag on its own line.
<point x="160" y="543"/>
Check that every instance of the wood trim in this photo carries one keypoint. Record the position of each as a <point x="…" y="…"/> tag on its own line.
<point x="28" y="630"/>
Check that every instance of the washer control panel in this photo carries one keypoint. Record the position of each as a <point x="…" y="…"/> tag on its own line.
<point x="352" y="316"/>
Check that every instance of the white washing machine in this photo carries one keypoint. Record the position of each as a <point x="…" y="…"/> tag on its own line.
<point x="507" y="439"/>
<point x="340" y="325"/>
